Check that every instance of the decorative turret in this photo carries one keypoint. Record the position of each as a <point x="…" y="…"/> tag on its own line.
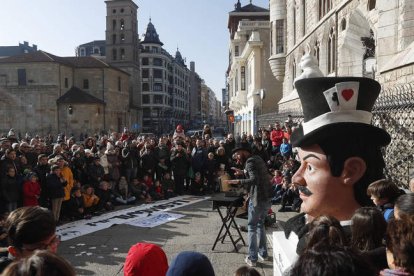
<point x="151" y="35"/>
<point x="178" y="58"/>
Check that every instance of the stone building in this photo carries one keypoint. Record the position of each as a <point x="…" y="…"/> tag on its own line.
<point x="348" y="38"/>
<point x="165" y="85"/>
<point x="41" y="93"/>
<point x="251" y="88"/>
<point x="122" y="50"/>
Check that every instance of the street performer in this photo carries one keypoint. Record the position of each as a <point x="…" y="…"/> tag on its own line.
<point x="257" y="182"/>
<point x="339" y="150"/>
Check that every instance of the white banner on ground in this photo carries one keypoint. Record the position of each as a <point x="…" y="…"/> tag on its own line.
<point x="82" y="227"/>
<point x="158" y="219"/>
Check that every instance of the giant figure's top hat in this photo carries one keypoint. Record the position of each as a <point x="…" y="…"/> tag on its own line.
<point x="337" y="107"/>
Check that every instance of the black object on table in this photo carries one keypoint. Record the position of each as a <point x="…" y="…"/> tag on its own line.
<point x="232" y="204"/>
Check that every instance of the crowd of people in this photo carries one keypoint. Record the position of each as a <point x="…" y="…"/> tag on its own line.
<point x="78" y="179"/>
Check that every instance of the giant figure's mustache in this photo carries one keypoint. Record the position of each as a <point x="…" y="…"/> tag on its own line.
<point x="304" y="190"/>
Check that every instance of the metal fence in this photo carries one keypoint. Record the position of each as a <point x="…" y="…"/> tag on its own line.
<point x="394" y="112"/>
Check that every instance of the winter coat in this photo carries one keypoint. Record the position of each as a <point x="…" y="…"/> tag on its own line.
<point x="55" y="187"/>
<point x="10" y="189"/>
<point x="179" y="161"/>
<point x="31" y="193"/>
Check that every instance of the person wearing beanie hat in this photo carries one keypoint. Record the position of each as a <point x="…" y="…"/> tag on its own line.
<point x="339" y="150"/>
<point x="190" y="263"/>
<point x="145" y="259"/>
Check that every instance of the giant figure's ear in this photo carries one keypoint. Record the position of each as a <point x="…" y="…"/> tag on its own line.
<point x="354" y="169"/>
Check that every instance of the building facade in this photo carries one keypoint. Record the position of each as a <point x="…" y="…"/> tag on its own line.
<point x="165" y="85"/>
<point x="347" y="38"/>
<point x="41" y="93"/>
<point x="251" y="88"/>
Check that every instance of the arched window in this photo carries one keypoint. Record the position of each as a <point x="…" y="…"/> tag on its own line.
<point x="331" y="51"/>
<point x="122" y="24"/>
<point x="113" y="24"/>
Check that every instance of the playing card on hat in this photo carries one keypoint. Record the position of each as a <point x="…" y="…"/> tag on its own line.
<point x="331" y="96"/>
<point x="347" y="94"/>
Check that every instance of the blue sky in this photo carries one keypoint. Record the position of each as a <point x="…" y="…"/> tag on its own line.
<point x="197" y="27"/>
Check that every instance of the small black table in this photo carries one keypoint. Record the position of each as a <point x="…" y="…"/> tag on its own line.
<point x="232" y="204"/>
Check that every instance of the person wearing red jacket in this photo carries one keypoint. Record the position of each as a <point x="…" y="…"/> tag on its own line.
<point x="31" y="190"/>
<point x="276" y="136"/>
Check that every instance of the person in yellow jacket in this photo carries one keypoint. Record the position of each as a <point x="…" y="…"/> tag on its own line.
<point x="90" y="200"/>
<point x="66" y="174"/>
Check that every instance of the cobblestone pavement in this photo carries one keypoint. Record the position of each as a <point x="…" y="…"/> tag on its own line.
<point x="103" y="252"/>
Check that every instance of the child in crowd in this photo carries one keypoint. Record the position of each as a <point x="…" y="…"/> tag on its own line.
<point x="168" y="186"/>
<point x="124" y="195"/>
<point x="399" y="241"/>
<point x="327" y="260"/>
<point x="10" y="189"/>
<point x="404" y="206"/>
<point x="325" y="230"/>
<point x="90" y="200"/>
<point x="291" y="197"/>
<point x="31" y="190"/>
<point x="156" y="191"/>
<point x="140" y="191"/>
<point x="277" y="182"/>
<point x="384" y="193"/>
<point x="246" y="271"/>
<point x="104" y="192"/>
<point x="285" y="149"/>
<point x="148" y="181"/>
<point x="197" y="185"/>
<point x="75" y="208"/>
<point x="281" y="190"/>
<point x="368" y="228"/>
